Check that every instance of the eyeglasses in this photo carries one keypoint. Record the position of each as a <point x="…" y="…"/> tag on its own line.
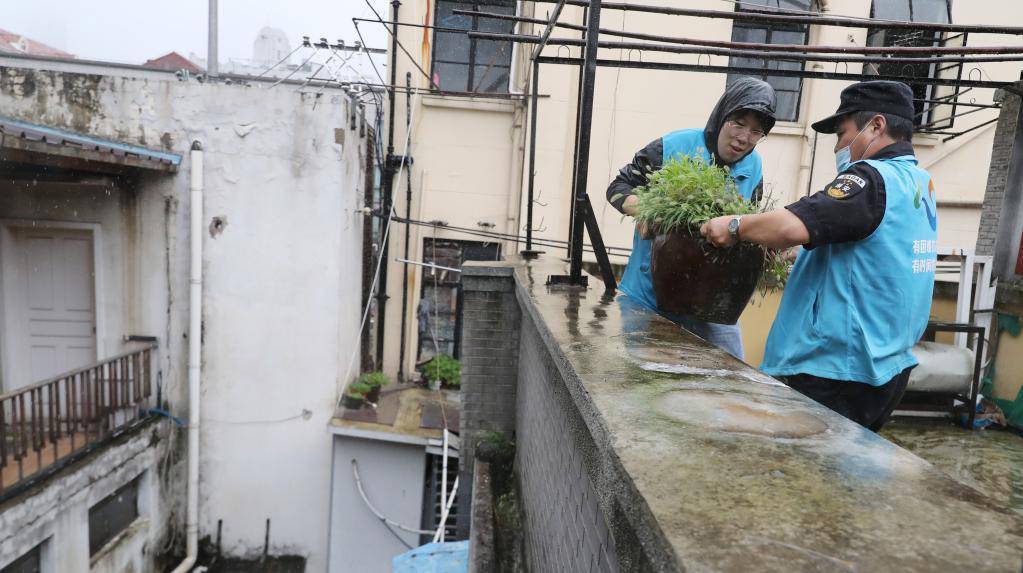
<point x="739" y="128"/>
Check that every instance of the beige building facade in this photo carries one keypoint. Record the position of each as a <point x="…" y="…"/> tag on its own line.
<point x="471" y="152"/>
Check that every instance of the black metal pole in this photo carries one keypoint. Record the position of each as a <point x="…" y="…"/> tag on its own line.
<point x="388" y="185"/>
<point x="534" y="97"/>
<point x="585" y="123"/>
<point x="593" y="229"/>
<point x="780" y="18"/>
<point x="774" y="72"/>
<point x="799" y="48"/>
<point x="575" y="152"/>
<point x="408" y="215"/>
<point x="752" y="54"/>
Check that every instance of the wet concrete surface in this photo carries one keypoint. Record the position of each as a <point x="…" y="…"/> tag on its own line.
<point x="736" y="472"/>
<point x="990" y="461"/>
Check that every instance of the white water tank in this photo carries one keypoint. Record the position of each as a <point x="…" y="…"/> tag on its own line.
<point x="943" y="368"/>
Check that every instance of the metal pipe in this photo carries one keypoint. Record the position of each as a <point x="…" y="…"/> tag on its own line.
<point x="760" y="55"/>
<point x="937" y="121"/>
<point x="393" y="31"/>
<point x="974" y="128"/>
<point x="445" y="93"/>
<point x="585" y="123"/>
<point x="552" y="243"/>
<point x="534" y="92"/>
<point x="575" y="150"/>
<point x="759" y="46"/>
<point x="212" y="57"/>
<point x="408" y="229"/>
<point x="194" y="358"/>
<point x="552" y="21"/>
<point x="761" y="71"/>
<point x="846" y="22"/>
<point x="388" y="186"/>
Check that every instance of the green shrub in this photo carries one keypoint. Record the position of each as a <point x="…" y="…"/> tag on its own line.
<point x="358" y="390"/>
<point x="444" y="368"/>
<point x="374" y="379"/>
<point x="688" y="191"/>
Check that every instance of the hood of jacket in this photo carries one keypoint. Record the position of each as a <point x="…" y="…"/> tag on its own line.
<point x="740" y="94"/>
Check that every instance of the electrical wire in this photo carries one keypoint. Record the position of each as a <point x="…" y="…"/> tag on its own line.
<point x="402" y="46"/>
<point x="376" y="275"/>
<point x="376" y="512"/>
<point x="543" y="242"/>
<point x="303" y="414"/>
<point x="372" y="62"/>
<point x="285" y="58"/>
<point x="316" y="49"/>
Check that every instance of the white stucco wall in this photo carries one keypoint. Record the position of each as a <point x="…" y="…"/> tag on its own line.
<point x="281" y="278"/>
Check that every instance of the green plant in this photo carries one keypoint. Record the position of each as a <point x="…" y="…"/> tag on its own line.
<point x="357" y="390"/>
<point x="688" y="191"/>
<point x="374" y="379"/>
<point x="443" y="368"/>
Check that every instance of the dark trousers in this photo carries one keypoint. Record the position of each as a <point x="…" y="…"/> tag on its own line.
<point x="868" y="406"/>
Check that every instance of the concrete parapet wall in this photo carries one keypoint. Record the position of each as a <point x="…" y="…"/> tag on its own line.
<point x="640" y="447"/>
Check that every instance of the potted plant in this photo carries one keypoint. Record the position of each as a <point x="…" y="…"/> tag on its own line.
<point x="375" y="381"/>
<point x="690" y="276"/>
<point x="355" y="395"/>
<point x="443" y="370"/>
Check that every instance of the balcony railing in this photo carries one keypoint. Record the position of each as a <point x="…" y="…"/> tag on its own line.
<point x="46" y="424"/>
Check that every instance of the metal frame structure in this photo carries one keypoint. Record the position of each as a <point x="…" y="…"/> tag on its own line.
<point x="581" y="210"/>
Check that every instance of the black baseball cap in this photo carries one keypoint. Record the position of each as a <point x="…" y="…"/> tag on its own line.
<point x="881" y="96"/>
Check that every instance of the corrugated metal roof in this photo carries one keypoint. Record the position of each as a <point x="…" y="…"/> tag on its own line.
<point x="53" y="136"/>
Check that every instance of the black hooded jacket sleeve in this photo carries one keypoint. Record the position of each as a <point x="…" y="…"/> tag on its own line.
<point x="636" y="173"/>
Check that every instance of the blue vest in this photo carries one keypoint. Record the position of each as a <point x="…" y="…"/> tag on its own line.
<point x="636" y="281"/>
<point x="853" y="311"/>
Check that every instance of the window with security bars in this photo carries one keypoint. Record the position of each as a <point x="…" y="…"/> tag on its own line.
<point x="930" y="111"/>
<point x="432" y="508"/>
<point x="464" y="64"/>
<point x="788" y="89"/>
<point x="440" y="303"/>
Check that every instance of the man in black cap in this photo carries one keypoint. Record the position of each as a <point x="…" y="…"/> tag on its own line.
<point x="859" y="295"/>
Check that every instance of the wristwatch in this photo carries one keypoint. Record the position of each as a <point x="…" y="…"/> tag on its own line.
<point x="733" y="228"/>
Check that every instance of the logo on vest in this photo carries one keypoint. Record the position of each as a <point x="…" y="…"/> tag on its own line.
<point x="845" y="185"/>
<point x="932" y="217"/>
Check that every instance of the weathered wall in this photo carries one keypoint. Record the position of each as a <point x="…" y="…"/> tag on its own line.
<point x="56" y="514"/>
<point x="490" y="341"/>
<point x="281" y="285"/>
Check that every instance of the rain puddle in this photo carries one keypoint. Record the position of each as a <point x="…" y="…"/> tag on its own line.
<point x="989" y="461"/>
<point x="709" y="372"/>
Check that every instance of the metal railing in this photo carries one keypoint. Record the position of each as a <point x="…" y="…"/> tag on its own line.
<point x="48" y="423"/>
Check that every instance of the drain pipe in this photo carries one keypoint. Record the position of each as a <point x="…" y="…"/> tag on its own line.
<point x="194" y="357"/>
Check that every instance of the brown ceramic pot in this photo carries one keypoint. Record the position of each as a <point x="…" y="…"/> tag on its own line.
<point x="695" y="279"/>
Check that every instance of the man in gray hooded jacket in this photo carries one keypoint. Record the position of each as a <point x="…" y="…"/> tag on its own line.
<point x="740" y="120"/>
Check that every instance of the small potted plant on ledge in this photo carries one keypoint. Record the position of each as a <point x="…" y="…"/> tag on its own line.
<point x="443" y="371"/>
<point x="690" y="276"/>
<point x="375" y="381"/>
<point x="355" y="395"/>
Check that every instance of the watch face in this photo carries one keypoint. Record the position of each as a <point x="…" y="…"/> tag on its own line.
<point x="733" y="226"/>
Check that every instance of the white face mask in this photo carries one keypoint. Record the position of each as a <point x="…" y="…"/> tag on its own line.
<point x="843" y="157"/>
